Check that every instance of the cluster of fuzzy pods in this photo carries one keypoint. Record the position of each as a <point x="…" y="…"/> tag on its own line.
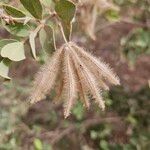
<point x="78" y="74"/>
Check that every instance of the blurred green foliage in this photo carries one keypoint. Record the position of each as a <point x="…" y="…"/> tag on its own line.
<point x="130" y="133"/>
<point x="136" y="44"/>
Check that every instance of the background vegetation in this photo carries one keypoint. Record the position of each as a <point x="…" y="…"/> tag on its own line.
<point x="122" y="40"/>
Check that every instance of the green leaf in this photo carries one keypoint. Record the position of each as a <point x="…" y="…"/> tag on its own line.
<point x="32" y="37"/>
<point x="4" y="42"/>
<point x="46" y="39"/>
<point x="38" y="144"/>
<point x="78" y="111"/>
<point x="4" y="68"/>
<point x="93" y="134"/>
<point x="34" y="7"/>
<point x="18" y="29"/>
<point x="66" y="11"/>
<point x="14" y="12"/>
<point x="132" y="120"/>
<point x="13" y="51"/>
<point x="112" y="15"/>
<point x="104" y="145"/>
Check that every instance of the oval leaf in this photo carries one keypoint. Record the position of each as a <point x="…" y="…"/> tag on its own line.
<point x="13" y="51"/>
<point x="4" y="68"/>
<point x="65" y="10"/>
<point x="5" y="42"/>
<point x="34" y="7"/>
<point x="13" y="11"/>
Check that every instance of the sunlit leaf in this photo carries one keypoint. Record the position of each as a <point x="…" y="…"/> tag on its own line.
<point x="4" y="42"/>
<point x="34" y="7"/>
<point x="38" y="144"/>
<point x="14" y="51"/>
<point x="4" y="68"/>
<point x="14" y="12"/>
